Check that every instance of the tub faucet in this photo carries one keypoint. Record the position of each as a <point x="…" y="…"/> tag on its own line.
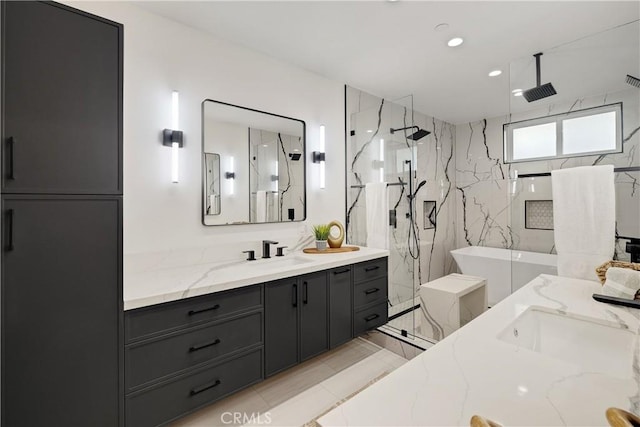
<point x="266" y="245"/>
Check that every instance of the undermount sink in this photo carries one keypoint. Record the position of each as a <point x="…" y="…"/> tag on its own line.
<point x="594" y="346"/>
<point x="279" y="262"/>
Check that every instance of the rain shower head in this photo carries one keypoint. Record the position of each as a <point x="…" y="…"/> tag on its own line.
<point x="295" y="156"/>
<point x="419" y="134"/>
<point x="633" y="81"/>
<point x="541" y="90"/>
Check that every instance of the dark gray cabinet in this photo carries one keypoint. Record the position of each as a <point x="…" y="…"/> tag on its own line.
<point x="61" y="302"/>
<point x="296" y="325"/>
<point x="61" y="305"/>
<point x="340" y="305"/>
<point x="281" y="300"/>
<point x="370" y="295"/>
<point x="314" y="334"/>
<point x="185" y="354"/>
<point x="62" y="111"/>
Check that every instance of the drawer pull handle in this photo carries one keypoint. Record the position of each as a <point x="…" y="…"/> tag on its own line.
<point x="9" y="230"/>
<point x="294" y="300"/>
<point x="215" y="307"/>
<point x="205" y="387"/>
<point x="371" y="291"/>
<point x="305" y="293"/>
<point x="11" y="144"/>
<point x="200" y="347"/>
<point x="371" y="317"/>
<point x="374" y="267"/>
<point x="346" y="270"/>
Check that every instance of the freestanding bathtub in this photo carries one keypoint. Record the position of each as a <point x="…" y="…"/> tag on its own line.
<point x="506" y="270"/>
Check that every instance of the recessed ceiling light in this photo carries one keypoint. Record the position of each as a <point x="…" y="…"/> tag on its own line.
<point x="441" y="27"/>
<point x="495" y="73"/>
<point x="369" y="131"/>
<point x="456" y="41"/>
<point x="517" y="94"/>
<point x="516" y="91"/>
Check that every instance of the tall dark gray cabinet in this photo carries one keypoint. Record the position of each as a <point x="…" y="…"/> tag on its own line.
<point x="62" y="344"/>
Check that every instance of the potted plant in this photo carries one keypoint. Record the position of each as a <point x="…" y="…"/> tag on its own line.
<point x="321" y="232"/>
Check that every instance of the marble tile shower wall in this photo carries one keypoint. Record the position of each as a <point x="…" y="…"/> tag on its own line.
<point x="273" y="170"/>
<point x="419" y="251"/>
<point x="490" y="205"/>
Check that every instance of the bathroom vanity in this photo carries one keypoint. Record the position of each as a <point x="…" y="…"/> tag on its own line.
<point x="192" y="342"/>
<point x="546" y="355"/>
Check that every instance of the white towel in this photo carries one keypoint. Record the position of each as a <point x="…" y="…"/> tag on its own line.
<point x="621" y="283"/>
<point x="261" y="206"/>
<point x="377" y="204"/>
<point x="584" y="219"/>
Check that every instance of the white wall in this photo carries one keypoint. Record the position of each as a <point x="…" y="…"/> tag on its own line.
<point x="160" y="56"/>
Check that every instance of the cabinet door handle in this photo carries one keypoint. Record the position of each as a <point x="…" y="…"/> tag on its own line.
<point x="346" y="270"/>
<point x="371" y="291"/>
<point x="202" y="346"/>
<point x="305" y="293"/>
<point x="294" y="294"/>
<point x="371" y="317"/>
<point x="205" y="387"/>
<point x="9" y="229"/>
<point x="11" y="141"/>
<point x="213" y="307"/>
<point x="375" y="267"/>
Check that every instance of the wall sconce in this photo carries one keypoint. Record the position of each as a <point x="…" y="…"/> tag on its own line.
<point x="381" y="160"/>
<point x="319" y="157"/>
<point x="230" y="175"/>
<point x="173" y="137"/>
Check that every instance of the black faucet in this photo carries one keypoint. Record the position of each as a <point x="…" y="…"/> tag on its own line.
<point x="266" y="246"/>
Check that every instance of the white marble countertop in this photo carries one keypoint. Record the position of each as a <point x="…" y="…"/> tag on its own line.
<point x="474" y="372"/>
<point x="155" y="279"/>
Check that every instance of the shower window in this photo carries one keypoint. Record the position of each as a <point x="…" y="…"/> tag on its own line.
<point x="586" y="132"/>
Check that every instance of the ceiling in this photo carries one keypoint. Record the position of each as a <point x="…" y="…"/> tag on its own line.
<point x="392" y="49"/>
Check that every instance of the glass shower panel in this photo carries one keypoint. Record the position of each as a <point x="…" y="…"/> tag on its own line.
<point x="378" y="155"/>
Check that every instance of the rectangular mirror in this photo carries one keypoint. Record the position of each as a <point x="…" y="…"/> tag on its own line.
<point x="253" y="166"/>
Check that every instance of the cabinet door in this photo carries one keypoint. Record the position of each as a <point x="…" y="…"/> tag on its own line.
<point x="313" y="314"/>
<point x="62" y="126"/>
<point x="281" y="325"/>
<point x="61" y="311"/>
<point x="340" y="305"/>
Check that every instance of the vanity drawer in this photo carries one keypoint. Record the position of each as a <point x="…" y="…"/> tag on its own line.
<point x="370" y="318"/>
<point x="370" y="292"/>
<point x="370" y="270"/>
<point x="149" y="321"/>
<point x="182" y="350"/>
<point x="171" y="400"/>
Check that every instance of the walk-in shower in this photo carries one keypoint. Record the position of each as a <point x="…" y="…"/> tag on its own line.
<point x="383" y="148"/>
<point x="389" y="142"/>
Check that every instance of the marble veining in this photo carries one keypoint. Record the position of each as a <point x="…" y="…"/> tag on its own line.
<point x="417" y="255"/>
<point x="473" y="372"/>
<point x="490" y="197"/>
<point x="148" y="283"/>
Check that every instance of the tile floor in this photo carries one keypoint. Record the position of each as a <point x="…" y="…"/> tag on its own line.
<point x="303" y="393"/>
